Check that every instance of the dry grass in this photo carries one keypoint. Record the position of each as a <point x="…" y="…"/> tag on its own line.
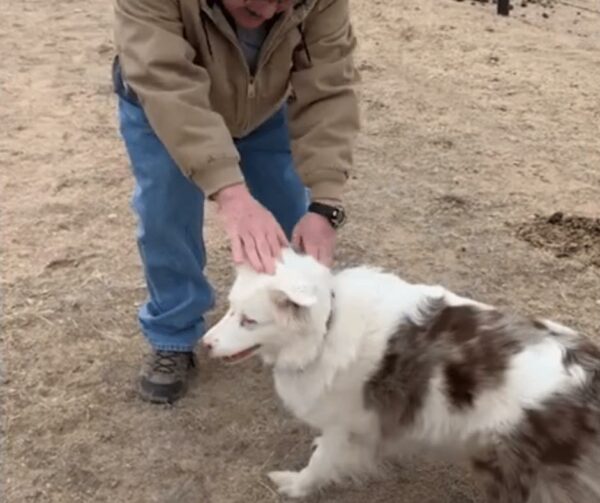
<point x="472" y="124"/>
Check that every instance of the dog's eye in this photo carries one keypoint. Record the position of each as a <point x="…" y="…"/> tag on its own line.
<point x="247" y="322"/>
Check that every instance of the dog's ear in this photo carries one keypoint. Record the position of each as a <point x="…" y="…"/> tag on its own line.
<point x="289" y="312"/>
<point x="283" y="301"/>
<point x="291" y="295"/>
<point x="291" y="290"/>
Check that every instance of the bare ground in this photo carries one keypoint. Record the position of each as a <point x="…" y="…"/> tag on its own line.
<point x="477" y="129"/>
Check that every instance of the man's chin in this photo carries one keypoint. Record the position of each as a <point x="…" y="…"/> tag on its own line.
<point x="246" y="20"/>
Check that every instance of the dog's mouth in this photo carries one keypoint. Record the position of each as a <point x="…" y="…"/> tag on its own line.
<point x="241" y="356"/>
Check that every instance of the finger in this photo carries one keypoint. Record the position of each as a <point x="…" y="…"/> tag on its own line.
<point x="326" y="255"/>
<point x="272" y="223"/>
<point x="282" y="237"/>
<point x="326" y="252"/>
<point x="297" y="239"/>
<point x="319" y="252"/>
<point x="311" y="249"/>
<point x="277" y="240"/>
<point x="274" y="245"/>
<point x="237" y="251"/>
<point x="301" y="246"/>
<point x="321" y="255"/>
<point x="251" y="252"/>
<point x="265" y="254"/>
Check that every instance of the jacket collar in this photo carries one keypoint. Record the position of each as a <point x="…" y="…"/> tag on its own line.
<point x="297" y="14"/>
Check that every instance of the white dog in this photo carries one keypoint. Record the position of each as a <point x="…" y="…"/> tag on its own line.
<point x="377" y="364"/>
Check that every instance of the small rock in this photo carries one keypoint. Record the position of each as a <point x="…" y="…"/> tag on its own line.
<point x="104" y="48"/>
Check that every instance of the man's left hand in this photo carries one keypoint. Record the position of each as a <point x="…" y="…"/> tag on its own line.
<point x="314" y="235"/>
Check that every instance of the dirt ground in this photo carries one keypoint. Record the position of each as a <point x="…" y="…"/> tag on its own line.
<point x="477" y="130"/>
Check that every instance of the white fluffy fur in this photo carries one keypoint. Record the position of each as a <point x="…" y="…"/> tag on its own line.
<point x="319" y="375"/>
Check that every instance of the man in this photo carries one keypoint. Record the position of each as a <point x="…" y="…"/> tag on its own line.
<point x="214" y="97"/>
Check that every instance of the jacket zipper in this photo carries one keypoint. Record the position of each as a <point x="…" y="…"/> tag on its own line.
<point x="251" y="88"/>
<point x="251" y="81"/>
<point x="268" y="46"/>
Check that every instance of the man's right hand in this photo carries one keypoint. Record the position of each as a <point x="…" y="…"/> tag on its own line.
<point x="256" y="237"/>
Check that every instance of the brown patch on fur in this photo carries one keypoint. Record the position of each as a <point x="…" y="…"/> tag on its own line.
<point x="586" y="348"/>
<point x="489" y="467"/>
<point x="502" y="485"/>
<point x="399" y="387"/>
<point x="479" y="347"/>
<point x="461" y="384"/>
<point x="546" y="453"/>
<point x="569" y="358"/>
<point x="543" y="457"/>
<point x="397" y="402"/>
<point x="583" y="352"/>
<point x="555" y="443"/>
<point x="558" y="434"/>
<point x="471" y="347"/>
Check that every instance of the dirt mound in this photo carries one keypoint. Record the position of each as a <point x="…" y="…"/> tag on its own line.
<point x="565" y="236"/>
<point x="522" y="3"/>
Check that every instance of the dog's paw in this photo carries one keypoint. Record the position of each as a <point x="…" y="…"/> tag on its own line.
<point x="290" y="483"/>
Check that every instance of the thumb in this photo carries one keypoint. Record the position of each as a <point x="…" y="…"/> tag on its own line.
<point x="297" y="239"/>
<point x="237" y="250"/>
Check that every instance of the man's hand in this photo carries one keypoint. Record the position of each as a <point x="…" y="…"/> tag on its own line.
<point x="256" y="237"/>
<point x="314" y="235"/>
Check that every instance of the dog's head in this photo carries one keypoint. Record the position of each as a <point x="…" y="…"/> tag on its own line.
<point x="282" y="317"/>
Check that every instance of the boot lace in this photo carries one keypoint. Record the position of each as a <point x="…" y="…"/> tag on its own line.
<point x="165" y="362"/>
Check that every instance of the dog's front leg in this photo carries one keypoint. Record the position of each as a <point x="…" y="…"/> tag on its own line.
<point x="336" y="455"/>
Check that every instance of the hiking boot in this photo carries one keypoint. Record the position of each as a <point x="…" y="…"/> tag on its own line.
<point x="165" y="375"/>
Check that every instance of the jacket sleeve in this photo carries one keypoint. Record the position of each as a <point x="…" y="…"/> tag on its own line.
<point x="158" y="64"/>
<point x="324" y="112"/>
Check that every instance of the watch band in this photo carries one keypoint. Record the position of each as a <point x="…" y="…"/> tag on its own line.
<point x="335" y="214"/>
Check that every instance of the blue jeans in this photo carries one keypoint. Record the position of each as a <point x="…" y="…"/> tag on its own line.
<point x="170" y="211"/>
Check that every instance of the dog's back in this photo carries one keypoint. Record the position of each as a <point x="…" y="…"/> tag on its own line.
<point x="521" y="396"/>
<point x="555" y="452"/>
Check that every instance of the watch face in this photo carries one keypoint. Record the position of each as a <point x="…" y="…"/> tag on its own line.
<point x="338" y="217"/>
<point x="335" y="215"/>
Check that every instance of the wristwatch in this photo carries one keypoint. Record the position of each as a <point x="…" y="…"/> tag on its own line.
<point x="335" y="214"/>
